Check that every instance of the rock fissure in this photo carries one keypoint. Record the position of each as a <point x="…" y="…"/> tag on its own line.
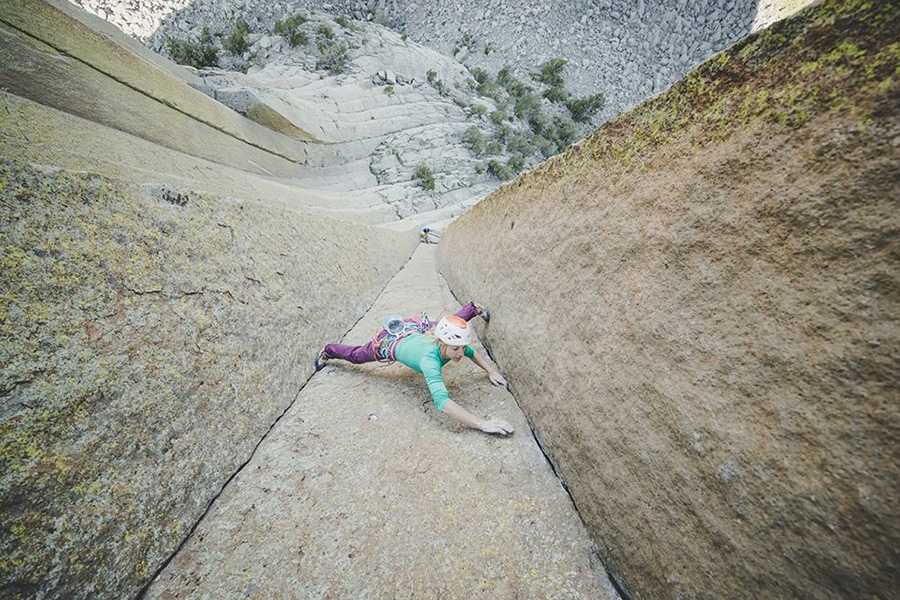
<point x="143" y="591"/>
<point x="693" y="305"/>
<point x="352" y="450"/>
<point x="145" y="292"/>
<point x="704" y="356"/>
<point x="614" y="581"/>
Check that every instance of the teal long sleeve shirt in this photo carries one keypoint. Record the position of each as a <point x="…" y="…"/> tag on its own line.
<point x="421" y="353"/>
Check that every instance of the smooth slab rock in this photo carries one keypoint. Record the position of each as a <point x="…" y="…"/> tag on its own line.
<point x="58" y="60"/>
<point x="698" y="308"/>
<point x="149" y="337"/>
<point x="85" y="99"/>
<point x="43" y="135"/>
<point x="363" y="490"/>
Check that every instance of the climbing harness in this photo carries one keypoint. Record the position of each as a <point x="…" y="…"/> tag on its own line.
<point x="394" y="329"/>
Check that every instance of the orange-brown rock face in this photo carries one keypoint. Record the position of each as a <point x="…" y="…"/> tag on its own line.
<point x="698" y="309"/>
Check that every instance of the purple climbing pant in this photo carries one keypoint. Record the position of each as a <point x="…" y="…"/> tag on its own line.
<point x="368" y="352"/>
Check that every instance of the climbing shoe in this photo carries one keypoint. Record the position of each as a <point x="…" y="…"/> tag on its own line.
<point x="485" y="314"/>
<point x="320" y="360"/>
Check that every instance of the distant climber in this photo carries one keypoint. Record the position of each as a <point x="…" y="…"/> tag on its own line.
<point x="426" y="348"/>
<point x="429" y="236"/>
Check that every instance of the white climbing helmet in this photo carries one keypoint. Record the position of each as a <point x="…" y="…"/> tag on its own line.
<point x="453" y="331"/>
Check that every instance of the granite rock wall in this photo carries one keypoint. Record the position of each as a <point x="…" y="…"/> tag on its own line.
<point x="149" y="339"/>
<point x="697" y="308"/>
<point x="162" y="297"/>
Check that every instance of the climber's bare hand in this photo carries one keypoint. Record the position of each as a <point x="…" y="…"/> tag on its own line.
<point x="497" y="426"/>
<point x="497" y="379"/>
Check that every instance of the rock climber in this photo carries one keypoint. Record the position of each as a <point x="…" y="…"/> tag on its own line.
<point x="430" y="236"/>
<point x="426" y="348"/>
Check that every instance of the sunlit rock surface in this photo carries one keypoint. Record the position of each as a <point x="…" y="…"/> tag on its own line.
<point x="698" y="309"/>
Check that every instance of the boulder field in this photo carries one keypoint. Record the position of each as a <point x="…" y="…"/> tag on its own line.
<point x="698" y="309"/>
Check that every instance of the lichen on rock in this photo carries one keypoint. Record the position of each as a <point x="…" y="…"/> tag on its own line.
<point x="148" y="339"/>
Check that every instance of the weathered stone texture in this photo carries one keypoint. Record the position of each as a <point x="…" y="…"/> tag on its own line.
<point x="35" y="133"/>
<point x="698" y="309"/>
<point x="149" y="337"/>
<point x="364" y="490"/>
<point x="150" y="331"/>
<point x="50" y="57"/>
